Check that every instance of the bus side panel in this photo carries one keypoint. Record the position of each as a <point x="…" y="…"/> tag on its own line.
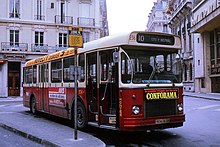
<point x="28" y="92"/>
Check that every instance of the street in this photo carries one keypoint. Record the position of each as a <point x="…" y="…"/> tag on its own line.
<point x="200" y="129"/>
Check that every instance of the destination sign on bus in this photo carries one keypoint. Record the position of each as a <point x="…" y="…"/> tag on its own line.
<point x="155" y="39"/>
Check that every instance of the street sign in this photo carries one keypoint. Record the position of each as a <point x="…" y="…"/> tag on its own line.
<point x="75" y="41"/>
<point x="75" y="37"/>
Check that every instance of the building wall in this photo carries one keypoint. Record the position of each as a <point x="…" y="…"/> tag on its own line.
<point x="87" y="14"/>
<point x="158" y="19"/>
<point x="205" y="21"/>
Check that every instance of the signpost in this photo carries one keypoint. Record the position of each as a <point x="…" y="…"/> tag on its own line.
<point x="75" y="41"/>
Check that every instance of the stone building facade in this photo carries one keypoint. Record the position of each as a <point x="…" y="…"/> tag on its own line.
<point x="33" y="28"/>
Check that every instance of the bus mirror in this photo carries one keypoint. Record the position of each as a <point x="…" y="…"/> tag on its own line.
<point x="178" y="57"/>
<point x="115" y="56"/>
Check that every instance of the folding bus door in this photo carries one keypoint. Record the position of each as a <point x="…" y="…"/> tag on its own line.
<point x="108" y="89"/>
<point x="43" y="86"/>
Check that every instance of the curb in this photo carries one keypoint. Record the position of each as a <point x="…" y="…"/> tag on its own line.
<point x="202" y="97"/>
<point x="28" y="136"/>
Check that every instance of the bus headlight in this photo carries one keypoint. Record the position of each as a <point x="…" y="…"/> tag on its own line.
<point x="136" y="110"/>
<point x="180" y="107"/>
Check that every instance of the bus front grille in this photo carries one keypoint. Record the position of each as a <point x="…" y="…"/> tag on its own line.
<point x="160" y="107"/>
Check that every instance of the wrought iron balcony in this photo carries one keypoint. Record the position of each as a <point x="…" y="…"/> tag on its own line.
<point x="39" y="48"/>
<point x="12" y="46"/>
<point x="63" y="19"/>
<point x="14" y="15"/>
<point x="39" y="17"/>
<point x="83" y="21"/>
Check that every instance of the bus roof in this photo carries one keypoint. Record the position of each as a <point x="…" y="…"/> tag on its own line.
<point x="128" y="38"/>
<point x="162" y="40"/>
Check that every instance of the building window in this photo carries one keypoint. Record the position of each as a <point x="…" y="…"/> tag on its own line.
<point x="215" y="47"/>
<point x="190" y="71"/>
<point x="14" y="8"/>
<point x="39" y="11"/>
<point x="62" y="12"/>
<point x="165" y="30"/>
<point x="62" y="40"/>
<point x="185" y="72"/>
<point x="14" y="37"/>
<point x="86" y="37"/>
<point x="202" y="83"/>
<point x="39" y="38"/>
<point x="218" y="46"/>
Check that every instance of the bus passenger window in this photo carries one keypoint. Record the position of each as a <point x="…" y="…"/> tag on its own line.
<point x="82" y="66"/>
<point x="46" y="73"/>
<point x="56" y="68"/>
<point x="67" y="62"/>
<point x="28" y="74"/>
<point x="35" y="74"/>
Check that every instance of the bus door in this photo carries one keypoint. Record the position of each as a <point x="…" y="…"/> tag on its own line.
<point x="108" y="88"/>
<point x="91" y="87"/>
<point x="43" y="87"/>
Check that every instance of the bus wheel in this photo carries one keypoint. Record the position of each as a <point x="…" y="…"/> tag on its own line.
<point x="81" y="116"/>
<point x="33" y="106"/>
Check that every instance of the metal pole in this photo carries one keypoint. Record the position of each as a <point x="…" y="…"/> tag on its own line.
<point x="75" y="94"/>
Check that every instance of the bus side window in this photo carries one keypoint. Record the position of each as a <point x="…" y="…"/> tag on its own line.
<point x="67" y="63"/>
<point x="35" y="74"/>
<point x="82" y="66"/>
<point x="56" y="71"/>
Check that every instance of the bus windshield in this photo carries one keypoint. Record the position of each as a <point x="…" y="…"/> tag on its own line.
<point x="140" y="66"/>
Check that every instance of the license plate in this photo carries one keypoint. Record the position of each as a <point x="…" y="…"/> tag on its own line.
<point x="162" y="121"/>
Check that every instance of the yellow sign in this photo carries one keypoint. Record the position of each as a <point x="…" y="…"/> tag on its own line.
<point x="161" y="94"/>
<point x="75" y="40"/>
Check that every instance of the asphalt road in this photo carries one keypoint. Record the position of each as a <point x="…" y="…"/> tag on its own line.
<point x="200" y="129"/>
<point x="8" y="138"/>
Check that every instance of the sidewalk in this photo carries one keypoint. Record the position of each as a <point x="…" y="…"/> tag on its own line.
<point x="211" y="96"/>
<point x="8" y="99"/>
<point x="45" y="132"/>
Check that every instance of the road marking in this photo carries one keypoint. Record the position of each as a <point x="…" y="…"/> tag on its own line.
<point x="19" y="105"/>
<point x="207" y="107"/>
<point x="217" y="109"/>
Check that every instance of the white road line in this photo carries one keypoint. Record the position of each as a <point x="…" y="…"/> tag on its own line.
<point x="207" y="107"/>
<point x="217" y="109"/>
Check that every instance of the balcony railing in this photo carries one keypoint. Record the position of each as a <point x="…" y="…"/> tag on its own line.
<point x="59" y="48"/>
<point x="83" y="21"/>
<point x="14" y="15"/>
<point x="39" y="48"/>
<point x="63" y="19"/>
<point x="39" y="17"/>
<point x="11" y="46"/>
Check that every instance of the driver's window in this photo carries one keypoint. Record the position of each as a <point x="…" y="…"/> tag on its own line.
<point x="126" y="69"/>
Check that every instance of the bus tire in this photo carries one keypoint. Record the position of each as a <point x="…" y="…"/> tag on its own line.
<point x="33" y="107"/>
<point x="81" y="116"/>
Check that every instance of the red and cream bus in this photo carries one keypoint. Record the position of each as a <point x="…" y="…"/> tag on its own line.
<point x="127" y="82"/>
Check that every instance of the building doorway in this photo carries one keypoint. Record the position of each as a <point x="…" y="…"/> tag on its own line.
<point x="215" y="85"/>
<point x="14" y="78"/>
